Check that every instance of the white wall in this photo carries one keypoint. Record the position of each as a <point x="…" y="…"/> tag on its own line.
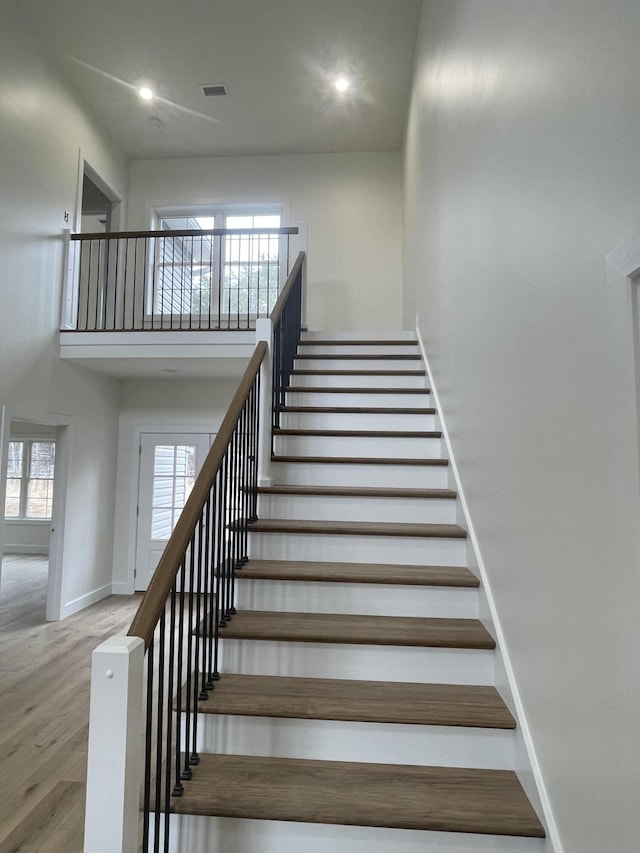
<point x="521" y="174"/>
<point x="352" y="204"/>
<point x="161" y="405"/>
<point x="42" y="132"/>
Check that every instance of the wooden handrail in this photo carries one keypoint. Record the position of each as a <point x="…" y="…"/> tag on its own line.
<point x="286" y="290"/>
<point x="213" y="232"/>
<point x="154" y="600"/>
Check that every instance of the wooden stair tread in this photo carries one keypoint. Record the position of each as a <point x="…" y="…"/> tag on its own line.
<point x="357" y="342"/>
<point x="357" y="492"/>
<point x="359" y="410"/>
<point x="291" y="570"/>
<point x="298" y="371"/>
<point x="340" y="389"/>
<point x="361" y="460"/>
<point x="358" y="528"/>
<point x="361" y="433"/>
<point x="358" y="701"/>
<point x="424" y="632"/>
<point x="349" y="356"/>
<point x="358" y="794"/>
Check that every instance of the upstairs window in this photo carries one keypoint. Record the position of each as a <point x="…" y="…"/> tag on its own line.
<point x="234" y="276"/>
<point x="30" y="473"/>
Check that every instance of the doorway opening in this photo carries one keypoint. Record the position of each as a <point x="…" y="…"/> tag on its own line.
<point x="33" y="479"/>
<point x="99" y="204"/>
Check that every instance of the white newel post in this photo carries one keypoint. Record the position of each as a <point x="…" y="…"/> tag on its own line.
<point x="114" y="769"/>
<point x="264" y="332"/>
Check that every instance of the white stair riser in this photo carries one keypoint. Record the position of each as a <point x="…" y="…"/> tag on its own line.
<point x="368" y="663"/>
<point x="396" y="401"/>
<point x="348" y="474"/>
<point x="310" y="348"/>
<point x="387" y="447"/>
<point x="362" y="599"/>
<point x="205" y="834"/>
<point x="422" y="510"/>
<point x="357" y="420"/>
<point x="320" y="363"/>
<point x="338" y="335"/>
<point x="335" y="740"/>
<point x="360" y="381"/>
<point x="353" y="549"/>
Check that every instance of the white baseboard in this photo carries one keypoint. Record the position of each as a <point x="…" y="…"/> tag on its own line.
<point x="84" y="601"/>
<point x="122" y="588"/>
<point x="531" y="775"/>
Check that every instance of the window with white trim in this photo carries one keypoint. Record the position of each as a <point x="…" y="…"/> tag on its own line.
<point x="238" y="274"/>
<point x="30" y="472"/>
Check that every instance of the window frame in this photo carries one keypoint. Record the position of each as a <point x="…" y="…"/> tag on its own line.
<point x="26" y="478"/>
<point x="218" y="213"/>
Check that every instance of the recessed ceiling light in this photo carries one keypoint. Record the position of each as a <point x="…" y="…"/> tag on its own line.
<point x="342" y="84"/>
<point x="145" y="93"/>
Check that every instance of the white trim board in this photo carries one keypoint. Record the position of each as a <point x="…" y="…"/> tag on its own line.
<point x="623" y="344"/>
<point x="86" y="600"/>
<point x="527" y="765"/>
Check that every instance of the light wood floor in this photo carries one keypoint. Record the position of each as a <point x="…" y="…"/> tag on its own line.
<point x="44" y="709"/>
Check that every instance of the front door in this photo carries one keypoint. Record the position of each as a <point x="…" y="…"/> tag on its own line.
<point x="169" y="464"/>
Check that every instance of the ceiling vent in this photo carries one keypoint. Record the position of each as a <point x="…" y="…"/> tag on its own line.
<point x="216" y="90"/>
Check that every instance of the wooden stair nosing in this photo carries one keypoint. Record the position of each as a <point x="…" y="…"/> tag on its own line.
<point x="358" y="357"/>
<point x="340" y="389"/>
<point x="360" y="460"/>
<point x="360" y="433"/>
<point x="356" y="492"/>
<point x="297" y="371"/>
<point x="358" y="410"/>
<point x="368" y="573"/>
<point x="358" y="528"/>
<point x="338" y="628"/>
<point x="357" y="342"/>
<point x="402" y="703"/>
<point x="349" y="793"/>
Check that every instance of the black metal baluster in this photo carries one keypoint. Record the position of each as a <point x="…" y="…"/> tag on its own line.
<point x="178" y="787"/>
<point x="253" y="516"/>
<point x="243" y="491"/>
<point x="234" y="520"/>
<point x="212" y="628"/>
<point x="170" y="714"/>
<point x="186" y="772"/>
<point x="81" y="287"/>
<point x="203" y="584"/>
<point x="217" y="550"/>
<point x="194" y="758"/>
<point x="124" y="284"/>
<point x="95" y="323"/>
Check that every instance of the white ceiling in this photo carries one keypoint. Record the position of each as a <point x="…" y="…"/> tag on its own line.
<point x="277" y="57"/>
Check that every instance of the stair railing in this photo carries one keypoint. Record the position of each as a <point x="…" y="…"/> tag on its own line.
<point x="146" y="687"/>
<point x="132" y="281"/>
<point x="286" y="319"/>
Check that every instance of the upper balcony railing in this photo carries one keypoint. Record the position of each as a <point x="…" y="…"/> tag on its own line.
<point x="220" y="279"/>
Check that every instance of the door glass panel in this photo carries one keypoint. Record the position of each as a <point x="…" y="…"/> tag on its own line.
<point x="173" y="479"/>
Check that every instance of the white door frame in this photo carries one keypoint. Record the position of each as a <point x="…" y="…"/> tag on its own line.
<point x="623" y="320"/>
<point x="129" y="525"/>
<point x="64" y="428"/>
<point x="143" y="514"/>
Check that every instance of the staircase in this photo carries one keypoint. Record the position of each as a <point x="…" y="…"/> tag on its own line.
<point x="356" y="712"/>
